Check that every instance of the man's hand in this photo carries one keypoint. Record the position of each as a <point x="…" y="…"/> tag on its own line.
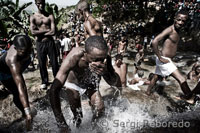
<point x="99" y="67"/>
<point x="163" y="60"/>
<point x="28" y="122"/>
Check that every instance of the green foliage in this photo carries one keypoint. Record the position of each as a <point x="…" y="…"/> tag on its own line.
<point x="11" y="18"/>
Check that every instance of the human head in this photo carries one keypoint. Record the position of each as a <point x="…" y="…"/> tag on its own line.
<point x="96" y="48"/>
<point x="197" y="70"/>
<point x="81" y="7"/>
<point x="140" y="73"/>
<point x="40" y="4"/>
<point x="180" y="19"/>
<point x="118" y="57"/>
<point x="22" y="44"/>
<point x="150" y="76"/>
<point x="118" y="60"/>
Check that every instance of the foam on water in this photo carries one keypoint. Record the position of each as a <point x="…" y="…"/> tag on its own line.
<point x="120" y="116"/>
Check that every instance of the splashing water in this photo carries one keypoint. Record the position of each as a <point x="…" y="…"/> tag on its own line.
<point x="120" y="115"/>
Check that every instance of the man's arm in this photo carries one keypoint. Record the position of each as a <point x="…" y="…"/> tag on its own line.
<point x="69" y="63"/>
<point x="156" y="41"/>
<point x="110" y="76"/>
<point x="89" y="28"/>
<point x="51" y="32"/>
<point x="34" y="30"/>
<point x="21" y="86"/>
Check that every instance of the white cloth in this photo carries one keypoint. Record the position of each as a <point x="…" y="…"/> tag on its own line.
<point x="164" y="69"/>
<point x="136" y="75"/>
<point x="135" y="86"/>
<point x="75" y="87"/>
<point x="66" y="42"/>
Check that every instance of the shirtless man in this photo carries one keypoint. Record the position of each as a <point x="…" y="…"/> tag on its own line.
<point x="43" y="27"/>
<point x="120" y="68"/>
<point x="164" y="64"/>
<point x="82" y="70"/>
<point x="122" y="46"/>
<point x="12" y="63"/>
<point x="91" y="25"/>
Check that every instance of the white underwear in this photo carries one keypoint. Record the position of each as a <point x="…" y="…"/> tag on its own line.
<point x="75" y="87"/>
<point x="164" y="69"/>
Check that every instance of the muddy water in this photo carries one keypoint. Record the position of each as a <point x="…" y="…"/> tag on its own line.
<point x="132" y="111"/>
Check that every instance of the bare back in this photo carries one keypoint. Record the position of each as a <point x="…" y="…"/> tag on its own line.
<point x="92" y="27"/>
<point x="73" y="65"/>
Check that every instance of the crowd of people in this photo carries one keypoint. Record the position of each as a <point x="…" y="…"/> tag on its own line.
<point x="80" y="56"/>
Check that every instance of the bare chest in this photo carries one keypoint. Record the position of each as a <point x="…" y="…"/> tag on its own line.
<point x="42" y="20"/>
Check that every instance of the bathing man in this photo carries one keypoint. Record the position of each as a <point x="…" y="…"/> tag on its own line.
<point x="81" y="73"/>
<point x="12" y="64"/>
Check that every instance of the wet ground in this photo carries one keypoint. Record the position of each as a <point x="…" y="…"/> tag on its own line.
<point x="132" y="111"/>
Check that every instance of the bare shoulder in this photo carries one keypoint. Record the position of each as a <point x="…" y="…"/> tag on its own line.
<point x="51" y="16"/>
<point x="76" y="53"/>
<point x="78" y="50"/>
<point x="72" y="58"/>
<point x="170" y="28"/>
<point x="11" y="57"/>
<point x="34" y="15"/>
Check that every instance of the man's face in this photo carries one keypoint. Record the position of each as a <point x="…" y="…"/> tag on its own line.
<point x="80" y="15"/>
<point x="23" y="52"/>
<point x="97" y="55"/>
<point x="180" y="21"/>
<point x="97" y="61"/>
<point x="40" y="4"/>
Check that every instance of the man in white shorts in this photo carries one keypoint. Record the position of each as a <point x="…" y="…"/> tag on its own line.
<point x="164" y="65"/>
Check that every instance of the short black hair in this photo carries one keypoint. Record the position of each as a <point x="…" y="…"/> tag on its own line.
<point x="183" y="11"/>
<point x="22" y="41"/>
<point x="119" y="57"/>
<point x="150" y="76"/>
<point x="42" y="0"/>
<point x="197" y="67"/>
<point x="95" y="42"/>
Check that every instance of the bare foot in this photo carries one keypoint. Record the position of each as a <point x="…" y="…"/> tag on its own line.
<point x="190" y="101"/>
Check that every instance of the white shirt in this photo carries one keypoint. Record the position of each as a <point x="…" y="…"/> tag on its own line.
<point x="66" y="42"/>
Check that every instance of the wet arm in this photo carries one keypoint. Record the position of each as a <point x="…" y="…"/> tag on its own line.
<point x="55" y="99"/>
<point x="111" y="77"/>
<point x="20" y="83"/>
<point x="69" y="62"/>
